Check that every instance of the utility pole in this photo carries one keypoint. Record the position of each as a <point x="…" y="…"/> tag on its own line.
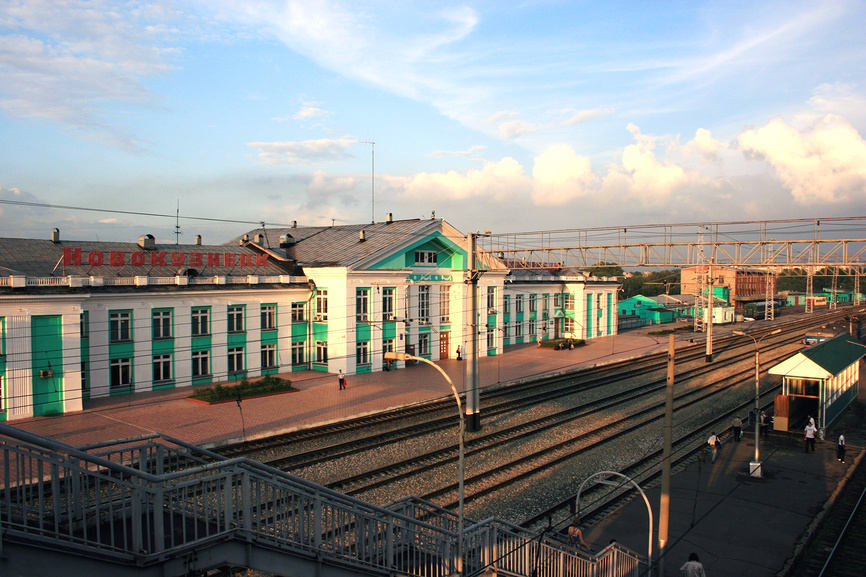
<point x="473" y="409"/>
<point x="667" y="450"/>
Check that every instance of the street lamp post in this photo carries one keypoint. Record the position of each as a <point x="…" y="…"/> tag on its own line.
<point x="755" y="469"/>
<point x="408" y="357"/>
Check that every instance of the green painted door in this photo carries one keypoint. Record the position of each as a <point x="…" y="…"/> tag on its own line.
<point x="46" y="344"/>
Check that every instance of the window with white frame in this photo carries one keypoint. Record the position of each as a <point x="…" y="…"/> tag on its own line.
<point x="161" y="368"/>
<point x="200" y="322"/>
<point x="388" y="345"/>
<point x="236" y="319"/>
<point x="518" y="330"/>
<point x="506" y="304"/>
<point x="491" y="298"/>
<point x="532" y="327"/>
<point x="506" y="331"/>
<point x="83" y="324"/>
<point x="426" y="257"/>
<point x="236" y="359"/>
<point x="424" y="303"/>
<point x="120" y="374"/>
<point x="298" y="315"/>
<point x="321" y="304"/>
<point x="444" y="303"/>
<point x="298" y="356"/>
<point x="533" y="303"/>
<point x="424" y="344"/>
<point x="557" y="300"/>
<point x="321" y="351"/>
<point x="269" y="356"/>
<point x="119" y="326"/>
<point x="269" y="317"/>
<point x="545" y="303"/>
<point x="161" y="321"/>
<point x="362" y="305"/>
<point x="491" y="338"/>
<point x="200" y="363"/>
<point x="388" y="304"/>
<point x="362" y="353"/>
<point x="518" y="303"/>
<point x="568" y="325"/>
<point x="569" y="302"/>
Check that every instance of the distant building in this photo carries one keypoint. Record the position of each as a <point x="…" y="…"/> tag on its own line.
<point x="741" y="286"/>
<point x="82" y="319"/>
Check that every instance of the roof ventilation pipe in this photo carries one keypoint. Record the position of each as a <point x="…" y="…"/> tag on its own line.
<point x="362" y="236"/>
<point x="198" y="240"/>
<point x="55" y="235"/>
<point x="389" y="218"/>
<point x="244" y="239"/>
<point x="259" y="239"/>
<point x="147" y="241"/>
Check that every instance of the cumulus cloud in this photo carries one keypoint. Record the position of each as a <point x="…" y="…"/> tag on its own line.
<point x="495" y="180"/>
<point x="642" y="176"/>
<point x="305" y="152"/>
<point x="561" y="175"/>
<point x="310" y="111"/>
<point x="826" y="163"/>
<point x="703" y="145"/>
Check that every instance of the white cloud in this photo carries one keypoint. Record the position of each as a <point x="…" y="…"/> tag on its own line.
<point x="644" y="177"/>
<point x="561" y="175"/>
<point x="704" y="145"/>
<point x="469" y="152"/>
<point x="309" y="111"/>
<point x="327" y="184"/>
<point x="580" y="116"/>
<point x="824" y="164"/>
<point x="495" y="180"/>
<point x="301" y="153"/>
<point x="515" y="128"/>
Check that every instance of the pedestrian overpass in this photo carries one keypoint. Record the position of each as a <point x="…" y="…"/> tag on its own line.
<point x="154" y="505"/>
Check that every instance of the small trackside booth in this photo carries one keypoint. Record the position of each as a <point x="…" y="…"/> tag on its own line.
<point x="820" y="381"/>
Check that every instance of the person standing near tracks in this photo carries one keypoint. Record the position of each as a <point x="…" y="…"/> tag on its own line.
<point x="714" y="444"/>
<point x="575" y="535"/>
<point x="737" y="425"/>
<point x="341" y="378"/>
<point x="840" y="447"/>
<point x="810" y="435"/>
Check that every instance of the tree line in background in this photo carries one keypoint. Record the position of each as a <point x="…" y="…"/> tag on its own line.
<point x="648" y="284"/>
<point x="794" y="279"/>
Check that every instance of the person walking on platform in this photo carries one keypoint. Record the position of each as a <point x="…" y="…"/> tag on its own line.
<point x="765" y="424"/>
<point x="693" y="567"/>
<point x="840" y="448"/>
<point x="714" y="444"/>
<point x="341" y="378"/>
<point x="810" y="435"/>
<point x="737" y="424"/>
<point x="575" y="535"/>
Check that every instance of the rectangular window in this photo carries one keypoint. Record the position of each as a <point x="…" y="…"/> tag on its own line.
<point x="426" y="257"/>
<point x="269" y="356"/>
<point x="506" y="304"/>
<point x="161" y="368"/>
<point x="569" y="302"/>
<point x="200" y="322"/>
<point x="84" y="325"/>
<point x="518" y="330"/>
<point x="444" y="303"/>
<point x="236" y="360"/>
<point x="491" y="338"/>
<point x="388" y="346"/>
<point x="424" y="344"/>
<point x="200" y="363"/>
<point x="362" y="305"/>
<point x="424" y="303"/>
<point x="532" y="327"/>
<point x="533" y="303"/>
<point x="298" y="315"/>
<point x="121" y="373"/>
<point x="506" y="331"/>
<point x="119" y="325"/>
<point x="161" y="324"/>
<point x="518" y="303"/>
<point x="269" y="317"/>
<point x="85" y="386"/>
<point x="321" y="304"/>
<point x="557" y="300"/>
<point x="491" y="298"/>
<point x="388" y="304"/>
<point x="236" y="319"/>
<point x="568" y="325"/>
<point x="362" y="353"/>
<point x="298" y="357"/>
<point x="545" y="303"/>
<point x="321" y="352"/>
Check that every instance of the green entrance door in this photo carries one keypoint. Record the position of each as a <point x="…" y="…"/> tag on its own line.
<point x="46" y="346"/>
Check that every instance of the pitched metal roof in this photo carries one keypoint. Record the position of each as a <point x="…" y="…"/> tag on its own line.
<point x="341" y="245"/>
<point x="45" y="258"/>
<point x="824" y="360"/>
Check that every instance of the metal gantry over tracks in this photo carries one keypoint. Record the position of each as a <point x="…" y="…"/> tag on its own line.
<point x="154" y="505"/>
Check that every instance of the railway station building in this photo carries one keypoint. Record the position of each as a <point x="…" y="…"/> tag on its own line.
<point x="87" y="319"/>
<point x="819" y="381"/>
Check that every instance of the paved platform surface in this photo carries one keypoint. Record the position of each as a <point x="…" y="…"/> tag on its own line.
<point x="738" y="525"/>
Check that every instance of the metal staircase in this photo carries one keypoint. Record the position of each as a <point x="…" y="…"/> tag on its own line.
<point x="154" y="505"/>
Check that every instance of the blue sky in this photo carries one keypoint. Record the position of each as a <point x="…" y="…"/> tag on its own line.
<point x="509" y="116"/>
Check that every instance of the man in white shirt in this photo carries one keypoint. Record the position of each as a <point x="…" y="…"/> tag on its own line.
<point x="810" y="436"/>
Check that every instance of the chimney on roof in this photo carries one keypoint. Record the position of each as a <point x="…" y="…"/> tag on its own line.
<point x="389" y="218"/>
<point x="198" y="240"/>
<point x="245" y="238"/>
<point x="286" y="240"/>
<point x="294" y="224"/>
<point x="259" y="239"/>
<point x="362" y="236"/>
<point x="55" y="235"/>
<point x="147" y="241"/>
